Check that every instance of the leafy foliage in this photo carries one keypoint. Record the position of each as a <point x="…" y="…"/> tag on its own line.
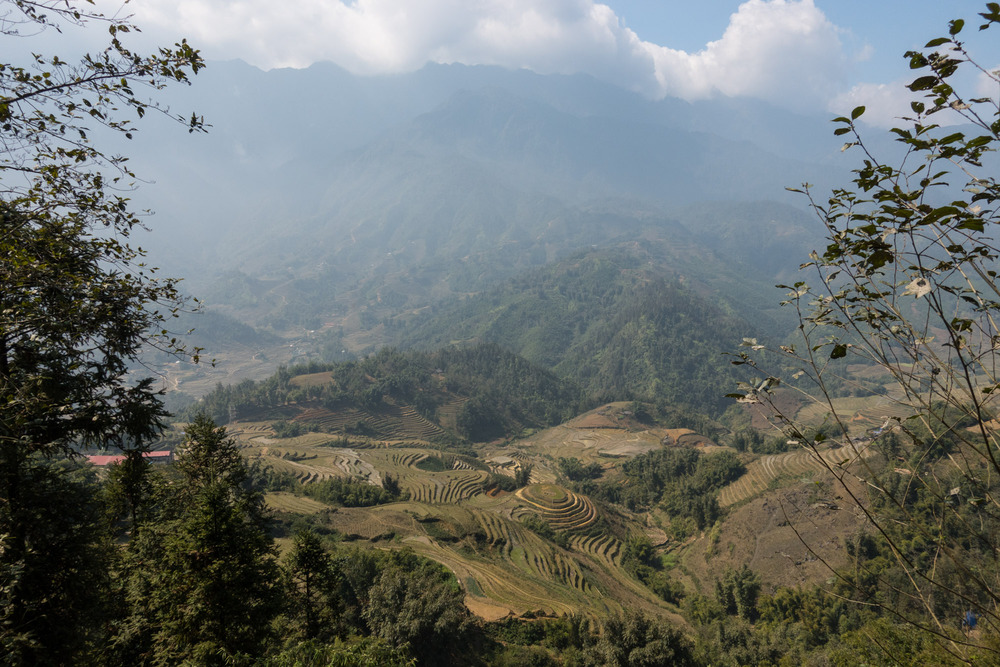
<point x="636" y="639"/>
<point x="640" y="560"/>
<point x="53" y="587"/>
<point x="76" y="306"/>
<point x="907" y="284"/>
<point x="505" y="393"/>
<point x="607" y="321"/>
<point x="202" y="578"/>
<point x="577" y="471"/>
<point x="540" y="526"/>
<point x="351" y="493"/>
<point x="682" y="481"/>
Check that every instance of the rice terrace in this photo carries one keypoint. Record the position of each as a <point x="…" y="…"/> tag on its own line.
<point x="504" y="517"/>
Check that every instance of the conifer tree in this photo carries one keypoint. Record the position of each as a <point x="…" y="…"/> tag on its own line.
<point x="202" y="576"/>
<point x="76" y="307"/>
<point x="311" y="578"/>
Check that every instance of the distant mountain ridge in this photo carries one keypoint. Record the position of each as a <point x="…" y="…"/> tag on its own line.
<point x="327" y="202"/>
<point x="611" y="320"/>
<point x="288" y="150"/>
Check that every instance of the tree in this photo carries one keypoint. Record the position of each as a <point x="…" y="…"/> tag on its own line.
<point x="636" y="640"/>
<point x="737" y="592"/>
<point x="53" y="588"/>
<point x="128" y="489"/>
<point x="420" y="610"/>
<point x="907" y="286"/>
<point x="309" y="569"/>
<point x="76" y="302"/>
<point x="202" y="576"/>
<point x="522" y="476"/>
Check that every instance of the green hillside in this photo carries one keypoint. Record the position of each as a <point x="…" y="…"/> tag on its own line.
<point x="609" y="320"/>
<point x="475" y="393"/>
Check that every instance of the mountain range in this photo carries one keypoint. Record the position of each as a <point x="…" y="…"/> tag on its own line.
<point x="364" y="207"/>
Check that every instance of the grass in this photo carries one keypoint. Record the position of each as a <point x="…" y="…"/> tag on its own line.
<point x="431" y="464"/>
<point x="479" y="537"/>
<point x="289" y="502"/>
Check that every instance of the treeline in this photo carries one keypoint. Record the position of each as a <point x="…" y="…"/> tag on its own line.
<point x="607" y="320"/>
<point x="343" y="492"/>
<point x="504" y="392"/>
<point x="681" y="481"/>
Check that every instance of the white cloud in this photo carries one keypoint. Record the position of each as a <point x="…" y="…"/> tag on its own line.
<point x="884" y="103"/>
<point x="988" y="83"/>
<point x="782" y="50"/>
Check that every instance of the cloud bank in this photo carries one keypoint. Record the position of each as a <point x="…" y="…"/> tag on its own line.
<point x="784" y="51"/>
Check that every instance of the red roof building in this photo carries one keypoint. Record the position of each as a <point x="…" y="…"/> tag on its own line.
<point x="101" y="460"/>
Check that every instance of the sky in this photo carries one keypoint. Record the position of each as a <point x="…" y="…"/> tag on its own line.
<point x="806" y="55"/>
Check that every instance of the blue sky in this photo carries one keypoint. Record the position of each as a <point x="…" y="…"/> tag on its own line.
<point x="888" y="27"/>
<point x="808" y="55"/>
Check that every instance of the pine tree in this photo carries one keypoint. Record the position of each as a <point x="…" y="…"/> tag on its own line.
<point x="77" y="305"/>
<point x="309" y="569"/>
<point x="202" y="576"/>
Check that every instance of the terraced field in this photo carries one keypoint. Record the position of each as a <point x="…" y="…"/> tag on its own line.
<point x="510" y="463"/>
<point x="861" y="414"/>
<point x="392" y="422"/>
<point x="562" y="509"/>
<point x="504" y="566"/>
<point x="766" y="469"/>
<point x="370" y="523"/>
<point x="403" y="423"/>
<point x="312" y="380"/>
<point x="448" y="413"/>
<point x="248" y="433"/>
<point x="601" y="435"/>
<point x="606" y="549"/>
<point x="320" y="463"/>
<point x="519" y="588"/>
<point x="446" y="487"/>
<point x="331" y="421"/>
<point x="500" y="532"/>
<point x="289" y="502"/>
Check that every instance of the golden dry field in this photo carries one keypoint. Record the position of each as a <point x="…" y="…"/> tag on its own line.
<point x="455" y="513"/>
<point x="455" y="516"/>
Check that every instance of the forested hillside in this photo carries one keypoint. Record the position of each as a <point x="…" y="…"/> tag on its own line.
<point x="494" y="392"/>
<point x="611" y="321"/>
<point x="517" y="317"/>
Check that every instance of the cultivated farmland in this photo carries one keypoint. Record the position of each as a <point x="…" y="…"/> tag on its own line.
<point x="543" y="548"/>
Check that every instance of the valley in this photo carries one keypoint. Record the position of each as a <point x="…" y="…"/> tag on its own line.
<point x="506" y="337"/>
<point x="543" y="549"/>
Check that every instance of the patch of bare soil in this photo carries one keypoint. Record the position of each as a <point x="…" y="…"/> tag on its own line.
<point x="685" y="437"/>
<point x="785" y="402"/>
<point x="611" y="415"/>
<point x="487" y="610"/>
<point x="790" y="537"/>
<point x="595" y="420"/>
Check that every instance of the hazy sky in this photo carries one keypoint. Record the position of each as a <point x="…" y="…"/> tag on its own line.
<point x="801" y="54"/>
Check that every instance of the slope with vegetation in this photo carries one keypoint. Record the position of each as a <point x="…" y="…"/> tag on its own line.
<point x="621" y="536"/>
<point x="613" y="321"/>
<point x="476" y="393"/>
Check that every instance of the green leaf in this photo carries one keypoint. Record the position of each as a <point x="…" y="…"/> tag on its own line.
<point x="839" y="351"/>
<point x="923" y="83"/>
<point x="857" y="112"/>
<point x="972" y="224"/>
